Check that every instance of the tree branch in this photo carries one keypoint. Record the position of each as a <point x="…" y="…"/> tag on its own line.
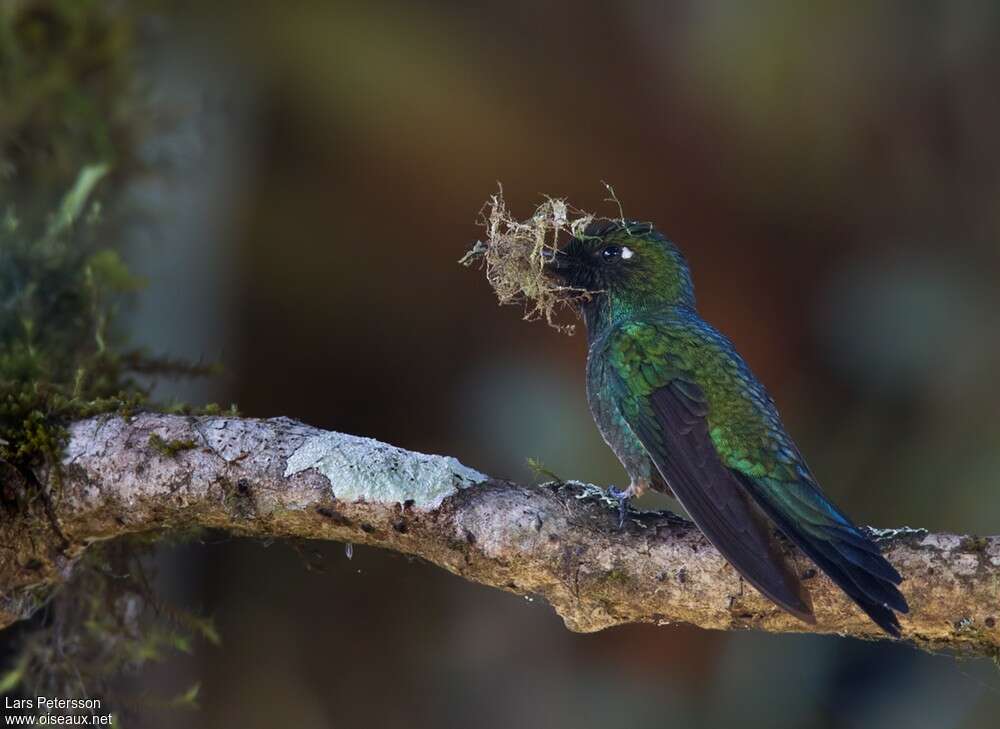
<point x="280" y="478"/>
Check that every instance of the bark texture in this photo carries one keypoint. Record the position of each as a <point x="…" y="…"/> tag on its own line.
<point x="280" y="478"/>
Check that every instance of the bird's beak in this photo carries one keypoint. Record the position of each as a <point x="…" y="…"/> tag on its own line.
<point x="556" y="264"/>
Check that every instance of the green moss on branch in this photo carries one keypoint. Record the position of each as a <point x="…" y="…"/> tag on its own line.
<point x="170" y="448"/>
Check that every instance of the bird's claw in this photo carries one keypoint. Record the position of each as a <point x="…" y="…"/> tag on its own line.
<point x="622" y="497"/>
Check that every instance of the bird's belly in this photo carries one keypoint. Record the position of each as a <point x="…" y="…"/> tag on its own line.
<point x="615" y="431"/>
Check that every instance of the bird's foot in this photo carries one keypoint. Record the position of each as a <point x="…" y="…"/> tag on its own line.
<point x="622" y="497"/>
<point x="635" y="489"/>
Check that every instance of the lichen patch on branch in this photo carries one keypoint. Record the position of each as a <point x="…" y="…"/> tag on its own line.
<point x="514" y="255"/>
<point x="362" y="469"/>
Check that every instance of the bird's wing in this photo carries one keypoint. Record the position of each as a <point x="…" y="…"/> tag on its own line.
<point x="714" y="461"/>
<point x="666" y="409"/>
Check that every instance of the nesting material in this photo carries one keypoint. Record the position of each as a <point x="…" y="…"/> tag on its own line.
<point x="514" y="251"/>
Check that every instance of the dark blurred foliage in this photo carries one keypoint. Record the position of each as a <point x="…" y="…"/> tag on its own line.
<point x="66" y="75"/>
<point x="313" y="172"/>
<point x="65" y="84"/>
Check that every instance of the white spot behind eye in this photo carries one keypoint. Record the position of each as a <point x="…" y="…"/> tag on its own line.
<point x="627" y="252"/>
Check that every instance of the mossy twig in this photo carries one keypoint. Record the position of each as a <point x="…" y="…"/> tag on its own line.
<point x="515" y="251"/>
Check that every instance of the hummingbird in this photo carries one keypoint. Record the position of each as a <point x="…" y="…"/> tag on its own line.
<point x="684" y="414"/>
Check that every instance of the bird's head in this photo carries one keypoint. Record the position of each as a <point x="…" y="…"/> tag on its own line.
<point x="625" y="266"/>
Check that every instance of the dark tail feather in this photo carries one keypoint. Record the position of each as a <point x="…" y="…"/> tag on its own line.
<point x="874" y="565"/>
<point x="847" y="556"/>
<point x="869" y="589"/>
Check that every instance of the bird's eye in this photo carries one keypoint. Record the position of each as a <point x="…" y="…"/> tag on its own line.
<point x="612" y="253"/>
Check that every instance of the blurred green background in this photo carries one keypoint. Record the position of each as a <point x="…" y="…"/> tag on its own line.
<point x="307" y="175"/>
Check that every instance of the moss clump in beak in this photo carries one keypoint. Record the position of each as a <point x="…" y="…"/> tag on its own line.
<point x="515" y="254"/>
